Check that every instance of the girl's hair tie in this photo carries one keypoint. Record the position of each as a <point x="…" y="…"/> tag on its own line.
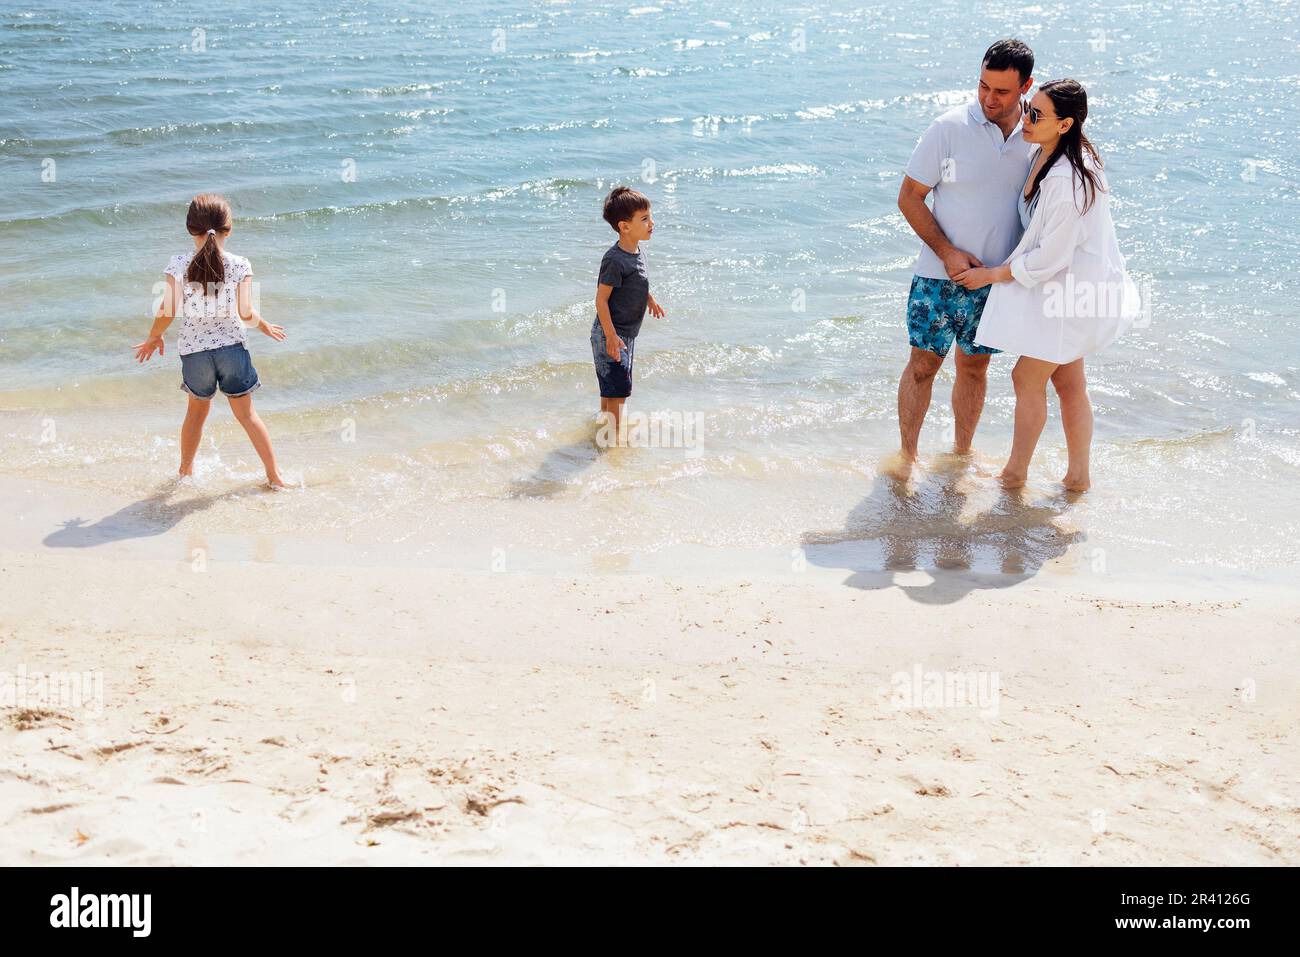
<point x="212" y="232"/>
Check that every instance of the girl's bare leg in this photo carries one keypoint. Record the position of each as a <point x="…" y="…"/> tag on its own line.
<point x="1076" y="419"/>
<point x="192" y="432"/>
<point x="1030" y="380"/>
<point x="242" y="406"/>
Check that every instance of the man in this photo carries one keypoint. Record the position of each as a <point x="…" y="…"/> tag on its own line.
<point x="974" y="160"/>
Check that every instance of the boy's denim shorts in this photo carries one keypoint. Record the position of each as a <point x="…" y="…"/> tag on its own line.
<point x="230" y="367"/>
<point x="614" y="378"/>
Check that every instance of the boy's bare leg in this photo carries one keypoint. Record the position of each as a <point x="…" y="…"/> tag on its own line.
<point x="242" y="406"/>
<point x="192" y="432"/>
<point x="616" y="411"/>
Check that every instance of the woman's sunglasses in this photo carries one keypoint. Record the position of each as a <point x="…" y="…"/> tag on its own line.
<point x="1033" y="112"/>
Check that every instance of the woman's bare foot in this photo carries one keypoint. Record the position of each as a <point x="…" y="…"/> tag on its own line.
<point x="275" y="482"/>
<point x="1076" y="483"/>
<point x="1012" y="480"/>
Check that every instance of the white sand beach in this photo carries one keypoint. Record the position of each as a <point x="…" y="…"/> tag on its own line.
<point x="266" y="712"/>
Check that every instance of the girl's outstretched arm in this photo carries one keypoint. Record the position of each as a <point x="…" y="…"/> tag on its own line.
<point x="248" y="313"/>
<point x="162" y="318"/>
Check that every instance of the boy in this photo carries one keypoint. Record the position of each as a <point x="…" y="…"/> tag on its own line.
<point x="622" y="297"/>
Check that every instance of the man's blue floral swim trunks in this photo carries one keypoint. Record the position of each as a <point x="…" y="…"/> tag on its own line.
<point x="939" y="311"/>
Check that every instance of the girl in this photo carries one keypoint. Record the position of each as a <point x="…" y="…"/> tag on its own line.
<point x="1063" y="293"/>
<point x="211" y="289"/>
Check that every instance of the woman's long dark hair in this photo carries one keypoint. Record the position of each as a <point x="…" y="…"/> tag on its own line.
<point x="210" y="214"/>
<point x="1070" y="101"/>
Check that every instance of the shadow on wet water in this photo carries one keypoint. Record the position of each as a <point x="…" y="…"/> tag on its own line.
<point x="557" y="470"/>
<point x="953" y="525"/>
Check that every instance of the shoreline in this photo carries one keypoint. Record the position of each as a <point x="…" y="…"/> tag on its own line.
<point x="47" y="517"/>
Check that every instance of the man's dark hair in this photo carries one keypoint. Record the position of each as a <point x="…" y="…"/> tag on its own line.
<point x="1011" y="55"/>
<point x="622" y="204"/>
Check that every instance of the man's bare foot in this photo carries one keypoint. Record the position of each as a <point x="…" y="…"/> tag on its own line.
<point x="1076" y="483"/>
<point x="1012" y="480"/>
<point x="898" y="466"/>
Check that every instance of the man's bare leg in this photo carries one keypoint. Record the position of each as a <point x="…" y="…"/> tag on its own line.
<point x="914" y="398"/>
<point x="968" y="397"/>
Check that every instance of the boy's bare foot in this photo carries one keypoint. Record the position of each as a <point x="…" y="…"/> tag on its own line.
<point x="1012" y="480"/>
<point x="1076" y="483"/>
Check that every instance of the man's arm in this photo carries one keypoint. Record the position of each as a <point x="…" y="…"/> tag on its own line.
<point x="911" y="203"/>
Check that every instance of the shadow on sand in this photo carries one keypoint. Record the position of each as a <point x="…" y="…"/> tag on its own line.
<point x="155" y="515"/>
<point x="954" y="524"/>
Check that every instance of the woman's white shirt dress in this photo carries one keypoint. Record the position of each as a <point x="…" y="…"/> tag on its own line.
<point x="1070" y="295"/>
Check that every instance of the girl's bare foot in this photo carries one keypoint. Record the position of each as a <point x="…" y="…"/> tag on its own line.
<point x="1076" y="483"/>
<point x="1012" y="480"/>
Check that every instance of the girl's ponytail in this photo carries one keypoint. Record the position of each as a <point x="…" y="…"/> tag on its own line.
<point x="210" y="214"/>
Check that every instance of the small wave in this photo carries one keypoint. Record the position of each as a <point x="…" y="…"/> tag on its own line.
<point x="401" y="89"/>
<point x="538" y="187"/>
<point x="599" y="124"/>
<point x="1194" y="440"/>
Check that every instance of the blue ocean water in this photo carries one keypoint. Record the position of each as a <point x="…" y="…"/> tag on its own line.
<point x="419" y="192"/>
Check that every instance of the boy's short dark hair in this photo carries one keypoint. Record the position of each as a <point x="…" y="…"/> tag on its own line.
<point x="1011" y="55"/>
<point x="622" y="204"/>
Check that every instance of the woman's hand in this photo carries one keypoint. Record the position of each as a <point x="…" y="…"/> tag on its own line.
<point x="275" y="332"/>
<point x="981" y="276"/>
<point x="145" y="350"/>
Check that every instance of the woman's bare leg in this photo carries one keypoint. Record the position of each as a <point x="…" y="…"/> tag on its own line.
<point x="242" y="406"/>
<point x="192" y="432"/>
<point x="1076" y="419"/>
<point x="1030" y="380"/>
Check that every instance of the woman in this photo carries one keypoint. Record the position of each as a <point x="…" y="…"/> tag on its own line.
<point x="1063" y="293"/>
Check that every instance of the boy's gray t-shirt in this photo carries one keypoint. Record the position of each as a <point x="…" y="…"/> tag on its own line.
<point x="626" y="272"/>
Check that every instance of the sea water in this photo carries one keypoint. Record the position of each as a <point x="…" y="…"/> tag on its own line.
<point x="419" y="187"/>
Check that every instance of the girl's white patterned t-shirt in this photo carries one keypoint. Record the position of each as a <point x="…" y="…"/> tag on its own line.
<point x="209" y="322"/>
